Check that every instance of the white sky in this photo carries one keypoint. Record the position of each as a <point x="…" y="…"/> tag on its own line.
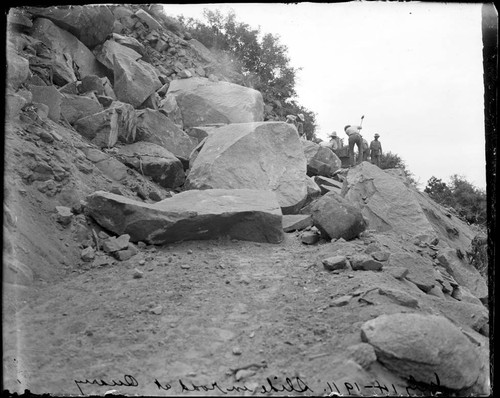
<point x="413" y="69"/>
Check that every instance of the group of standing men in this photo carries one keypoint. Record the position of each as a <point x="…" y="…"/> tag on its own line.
<point x="355" y="138"/>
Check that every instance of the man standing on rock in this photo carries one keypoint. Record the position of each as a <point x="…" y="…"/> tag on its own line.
<point x="353" y="132"/>
<point x="376" y="150"/>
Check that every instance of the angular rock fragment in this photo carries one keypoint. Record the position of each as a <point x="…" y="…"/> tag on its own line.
<point x="242" y="214"/>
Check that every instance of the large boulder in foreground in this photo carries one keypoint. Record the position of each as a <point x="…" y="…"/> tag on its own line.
<point x="423" y="346"/>
<point x="321" y="161"/>
<point x="385" y="201"/>
<point x="337" y="218"/>
<point x="90" y="24"/>
<point x="202" y="102"/>
<point x="265" y="156"/>
<point x="243" y="214"/>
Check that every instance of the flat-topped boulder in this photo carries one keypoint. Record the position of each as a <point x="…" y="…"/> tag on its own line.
<point x="244" y="214"/>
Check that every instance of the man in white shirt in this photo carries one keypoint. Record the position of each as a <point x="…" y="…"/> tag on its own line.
<point x="353" y="132"/>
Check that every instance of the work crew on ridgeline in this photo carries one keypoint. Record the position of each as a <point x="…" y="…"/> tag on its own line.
<point x="353" y="132"/>
<point x="376" y="150"/>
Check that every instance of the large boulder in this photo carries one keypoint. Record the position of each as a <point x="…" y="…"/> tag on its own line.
<point x="336" y="218"/>
<point x="423" y="346"/>
<point x="67" y="49"/>
<point x="265" y="155"/>
<point x="385" y="201"/>
<point x="134" y="81"/>
<point x="106" y="127"/>
<point x="154" y="161"/>
<point x="463" y="272"/>
<point x="320" y="160"/>
<point x="74" y="107"/>
<point x="243" y="214"/>
<point x="90" y="24"/>
<point x="106" y="52"/>
<point x="153" y="126"/>
<point x="204" y="102"/>
<point x="130" y="42"/>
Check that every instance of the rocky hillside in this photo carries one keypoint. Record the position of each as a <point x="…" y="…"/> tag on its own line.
<point x="156" y="226"/>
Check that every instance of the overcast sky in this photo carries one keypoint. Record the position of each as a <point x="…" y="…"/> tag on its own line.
<point x="413" y="69"/>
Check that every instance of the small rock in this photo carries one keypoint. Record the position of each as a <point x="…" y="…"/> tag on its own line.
<point x="141" y="245"/>
<point x="341" y="301"/>
<point x="138" y="274"/>
<point x="123" y="255"/>
<point x="156" y="310"/>
<point x="243" y="374"/>
<point x="64" y="215"/>
<point x="363" y="262"/>
<point x="185" y="266"/>
<point x="87" y="254"/>
<point x="103" y="235"/>
<point x="335" y="263"/>
<point x="237" y="351"/>
<point x="142" y="262"/>
<point x="381" y="255"/>
<point x="189" y="251"/>
<point x="310" y="237"/>
<point x="46" y="136"/>
<point x="372" y="248"/>
<point x="101" y="261"/>
<point x="153" y="195"/>
<point x="116" y="244"/>
<point x="398" y="272"/>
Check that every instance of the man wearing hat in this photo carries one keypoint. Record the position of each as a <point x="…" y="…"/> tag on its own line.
<point x="353" y="132"/>
<point x="334" y="143"/>
<point x="376" y="150"/>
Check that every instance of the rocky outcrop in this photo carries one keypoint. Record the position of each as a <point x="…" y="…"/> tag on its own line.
<point x="320" y="160"/>
<point x="266" y="155"/>
<point x="423" y="346"/>
<point x="241" y="214"/>
<point x="337" y="218"/>
<point x="154" y="161"/>
<point x="91" y="25"/>
<point x="202" y="102"/>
